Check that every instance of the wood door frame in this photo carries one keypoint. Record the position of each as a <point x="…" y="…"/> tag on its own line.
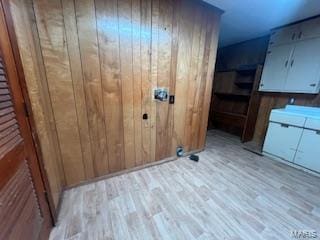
<point x="33" y="140"/>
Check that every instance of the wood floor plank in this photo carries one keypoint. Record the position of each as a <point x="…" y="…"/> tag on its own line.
<point x="229" y="194"/>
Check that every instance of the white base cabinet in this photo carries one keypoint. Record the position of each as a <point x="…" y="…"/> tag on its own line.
<point x="282" y="140"/>
<point x="308" y="152"/>
<point x="294" y="135"/>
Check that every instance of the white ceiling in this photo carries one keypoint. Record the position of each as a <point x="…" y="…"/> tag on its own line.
<point x="248" y="19"/>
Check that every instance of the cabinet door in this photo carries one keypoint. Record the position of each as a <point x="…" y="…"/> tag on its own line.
<point x="304" y="67"/>
<point x="309" y="29"/>
<point x="284" y="35"/>
<point x="282" y="140"/>
<point x="275" y="69"/>
<point x="308" y="150"/>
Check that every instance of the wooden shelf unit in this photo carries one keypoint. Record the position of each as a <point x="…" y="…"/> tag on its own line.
<point x="236" y="101"/>
<point x="230" y="118"/>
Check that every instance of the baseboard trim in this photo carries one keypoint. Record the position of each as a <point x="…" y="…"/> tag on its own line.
<point x="110" y="175"/>
<point x="58" y="208"/>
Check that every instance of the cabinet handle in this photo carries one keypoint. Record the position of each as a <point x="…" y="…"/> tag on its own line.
<point x="300" y="34"/>
<point x="286" y="64"/>
<point x="312" y="85"/>
<point x="292" y="61"/>
<point x="293" y="36"/>
<point x="318" y="132"/>
<point x="284" y="125"/>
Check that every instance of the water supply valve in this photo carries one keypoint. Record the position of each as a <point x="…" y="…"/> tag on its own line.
<point x="161" y="94"/>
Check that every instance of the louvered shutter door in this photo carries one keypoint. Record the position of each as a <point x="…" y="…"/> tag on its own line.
<point x="19" y="209"/>
<point x="9" y="130"/>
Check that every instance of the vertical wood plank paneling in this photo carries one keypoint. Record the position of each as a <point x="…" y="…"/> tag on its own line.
<point x="263" y="116"/>
<point x="164" y="67"/>
<point x="34" y="71"/>
<point x="102" y="60"/>
<point x="213" y="27"/>
<point x="173" y="74"/>
<point x="87" y="33"/>
<point x="146" y="80"/>
<point x="154" y="75"/>
<point x="204" y="70"/>
<point x="192" y="78"/>
<point x="108" y="37"/>
<point x="200" y="85"/>
<point x="137" y="79"/>
<point x="78" y="86"/>
<point x="125" y="26"/>
<point x="183" y="65"/>
<point x="52" y="39"/>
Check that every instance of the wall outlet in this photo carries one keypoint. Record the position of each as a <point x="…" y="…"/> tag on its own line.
<point x="291" y="101"/>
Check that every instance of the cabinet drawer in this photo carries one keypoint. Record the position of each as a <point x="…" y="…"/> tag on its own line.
<point x="308" y="153"/>
<point x="282" y="141"/>
<point x="290" y="119"/>
<point x="313" y="123"/>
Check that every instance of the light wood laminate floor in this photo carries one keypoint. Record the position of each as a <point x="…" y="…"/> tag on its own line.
<point x="229" y="194"/>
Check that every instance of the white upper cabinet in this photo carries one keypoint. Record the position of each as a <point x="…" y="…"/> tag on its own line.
<point x="309" y="29"/>
<point x="293" y="59"/>
<point x="276" y="68"/>
<point x="283" y="36"/>
<point x="304" y="67"/>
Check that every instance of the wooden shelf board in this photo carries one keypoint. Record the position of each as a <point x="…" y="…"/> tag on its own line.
<point x="234" y="119"/>
<point x="243" y="82"/>
<point x="233" y="94"/>
<point x="242" y="69"/>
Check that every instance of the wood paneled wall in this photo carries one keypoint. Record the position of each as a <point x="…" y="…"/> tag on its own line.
<point x="91" y="67"/>
<point x="35" y="76"/>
